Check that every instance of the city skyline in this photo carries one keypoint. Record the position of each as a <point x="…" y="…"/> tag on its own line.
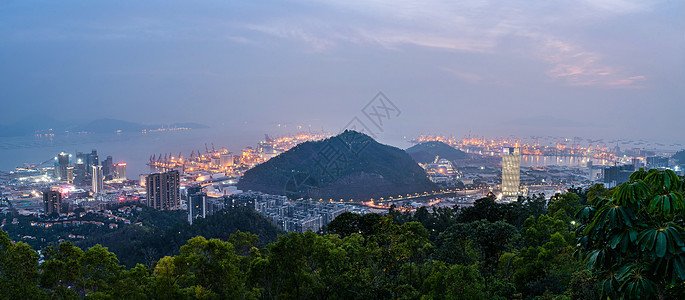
<point x="571" y="68"/>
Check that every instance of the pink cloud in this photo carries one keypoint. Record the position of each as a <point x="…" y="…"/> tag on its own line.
<point x="576" y="67"/>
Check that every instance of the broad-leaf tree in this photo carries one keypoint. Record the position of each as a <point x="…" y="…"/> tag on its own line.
<point x="633" y="241"/>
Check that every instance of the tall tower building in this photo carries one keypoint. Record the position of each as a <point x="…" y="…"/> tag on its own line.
<point x="70" y="175"/>
<point x="92" y="159"/>
<point x="52" y="201"/>
<point x="63" y="164"/>
<point x="97" y="179"/>
<point x="511" y="171"/>
<point x="80" y="173"/>
<point x="108" y="167"/>
<point x="163" y="190"/>
<point x="197" y="203"/>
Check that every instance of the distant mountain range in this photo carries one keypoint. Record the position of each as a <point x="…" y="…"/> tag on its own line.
<point x="350" y="165"/>
<point x="43" y="124"/>
<point x="426" y="152"/>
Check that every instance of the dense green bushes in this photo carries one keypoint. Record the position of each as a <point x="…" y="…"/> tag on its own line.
<point x="521" y="250"/>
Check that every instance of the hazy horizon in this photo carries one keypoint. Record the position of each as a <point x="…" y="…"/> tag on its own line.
<point x="609" y="69"/>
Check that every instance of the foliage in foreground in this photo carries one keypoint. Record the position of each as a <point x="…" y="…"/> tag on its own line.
<point x="633" y="240"/>
<point x="520" y="250"/>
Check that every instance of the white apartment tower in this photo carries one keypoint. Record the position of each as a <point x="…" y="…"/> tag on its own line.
<point x="97" y="179"/>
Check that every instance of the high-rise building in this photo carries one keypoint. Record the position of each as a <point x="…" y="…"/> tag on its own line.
<point x="163" y="190"/>
<point x="97" y="179"/>
<point x="511" y="171"/>
<point x="108" y="168"/>
<point x="80" y="157"/>
<point x="63" y="163"/>
<point x="52" y="201"/>
<point x="92" y="159"/>
<point x="80" y="174"/>
<point x="70" y="175"/>
<point x="197" y="203"/>
<point x="81" y="170"/>
<point x="120" y="171"/>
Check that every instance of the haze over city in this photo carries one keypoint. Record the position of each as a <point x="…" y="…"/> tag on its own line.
<point x="303" y="149"/>
<point x="568" y="68"/>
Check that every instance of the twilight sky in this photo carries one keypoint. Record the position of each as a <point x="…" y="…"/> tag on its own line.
<point x="595" y="68"/>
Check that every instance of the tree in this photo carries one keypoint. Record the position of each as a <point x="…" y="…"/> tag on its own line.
<point x="209" y="267"/>
<point x="61" y="270"/>
<point x="633" y="240"/>
<point x="455" y="245"/>
<point x="18" y="270"/>
<point x="546" y="265"/>
<point x="135" y="283"/>
<point x="492" y="240"/>
<point x="454" y="282"/>
<point x="482" y="209"/>
<point x="99" y="268"/>
<point x="569" y="203"/>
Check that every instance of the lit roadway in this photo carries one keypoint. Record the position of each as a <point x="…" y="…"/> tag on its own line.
<point x="445" y="192"/>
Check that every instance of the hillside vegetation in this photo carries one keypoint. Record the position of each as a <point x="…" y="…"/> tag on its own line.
<point x="350" y="165"/>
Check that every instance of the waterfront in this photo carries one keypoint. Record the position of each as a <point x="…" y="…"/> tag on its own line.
<point x="133" y="148"/>
<point x="540" y="161"/>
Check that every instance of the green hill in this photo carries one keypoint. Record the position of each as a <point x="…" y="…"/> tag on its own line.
<point x="426" y="152"/>
<point x="350" y="165"/>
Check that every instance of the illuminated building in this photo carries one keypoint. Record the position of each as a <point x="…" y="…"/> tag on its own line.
<point x="52" y="201"/>
<point x="226" y="160"/>
<point x="163" y="190"/>
<point x="63" y="163"/>
<point x="92" y="158"/>
<point x="197" y="203"/>
<point x="120" y="171"/>
<point x="141" y="179"/>
<point x="70" y="175"/>
<point x="97" y="179"/>
<point x="511" y="171"/>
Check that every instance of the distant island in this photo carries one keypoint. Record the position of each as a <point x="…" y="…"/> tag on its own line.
<point x="348" y="166"/>
<point x="48" y="125"/>
<point x="426" y="152"/>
